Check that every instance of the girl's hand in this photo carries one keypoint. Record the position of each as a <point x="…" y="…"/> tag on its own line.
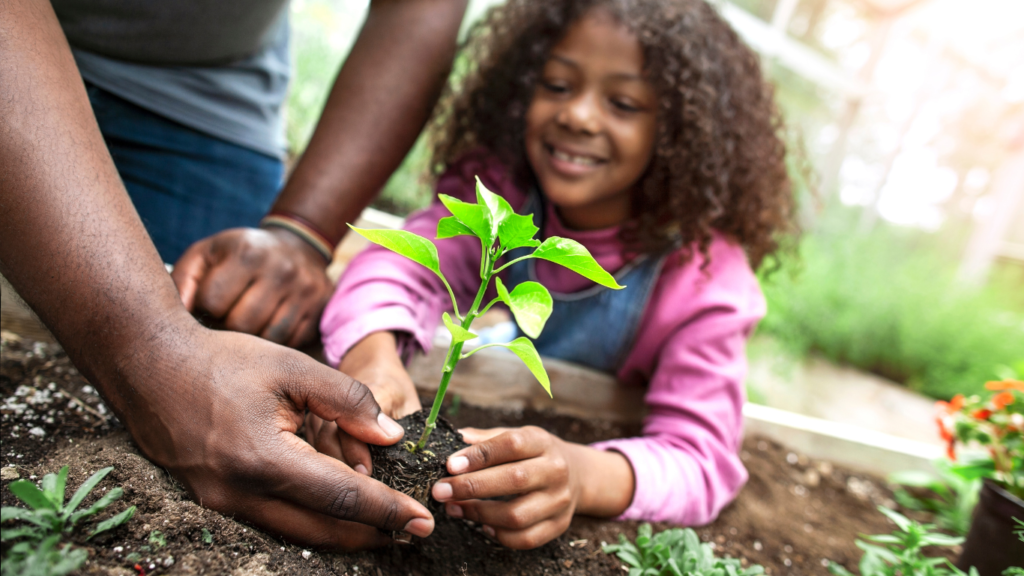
<point x="539" y="468"/>
<point x="374" y="362"/>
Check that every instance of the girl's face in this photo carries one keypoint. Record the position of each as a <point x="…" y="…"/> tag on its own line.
<point x="590" y="127"/>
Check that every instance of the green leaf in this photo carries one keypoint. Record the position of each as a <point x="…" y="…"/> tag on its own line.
<point x="207" y="537"/>
<point x="157" y="539"/>
<point x="530" y="303"/>
<point x="113" y="522"/>
<point x="412" y="246"/>
<point x="523" y="348"/>
<point x="32" y="533"/>
<point x="575" y="257"/>
<point x="15" y="513"/>
<point x="459" y="334"/>
<point x="496" y="208"/>
<point x="449" y="227"/>
<point x="98" y="506"/>
<point x="472" y="216"/>
<point x="84" y="491"/>
<point x="53" y="487"/>
<point x="517" y="231"/>
<point x="902" y="521"/>
<point x="30" y="494"/>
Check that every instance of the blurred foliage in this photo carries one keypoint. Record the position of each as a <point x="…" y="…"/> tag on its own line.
<point x="322" y="35"/>
<point x="889" y="303"/>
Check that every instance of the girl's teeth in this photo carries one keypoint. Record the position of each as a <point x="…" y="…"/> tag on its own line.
<point x="582" y="160"/>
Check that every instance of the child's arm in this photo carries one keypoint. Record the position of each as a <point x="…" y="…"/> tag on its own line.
<point x="554" y="479"/>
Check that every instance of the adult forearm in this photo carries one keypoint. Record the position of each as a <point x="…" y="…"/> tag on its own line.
<point x="70" y="240"/>
<point x="380" y="101"/>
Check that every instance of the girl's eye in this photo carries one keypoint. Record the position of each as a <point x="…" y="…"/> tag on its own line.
<point x="555" y="87"/>
<point x="625" y="106"/>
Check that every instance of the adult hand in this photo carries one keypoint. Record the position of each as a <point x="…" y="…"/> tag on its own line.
<point x="222" y="418"/>
<point x="539" y="468"/>
<point x="264" y="282"/>
<point x="374" y="362"/>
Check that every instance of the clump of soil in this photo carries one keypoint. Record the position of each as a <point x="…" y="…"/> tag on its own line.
<point x="794" y="515"/>
<point x="414" y="473"/>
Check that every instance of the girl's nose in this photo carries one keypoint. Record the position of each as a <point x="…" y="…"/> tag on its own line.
<point x="581" y="114"/>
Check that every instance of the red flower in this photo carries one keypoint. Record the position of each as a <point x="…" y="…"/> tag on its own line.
<point x="1002" y="400"/>
<point x="1005" y="385"/>
<point x="946" y="436"/>
<point x="982" y="414"/>
<point x="950" y="452"/>
<point x="953" y="405"/>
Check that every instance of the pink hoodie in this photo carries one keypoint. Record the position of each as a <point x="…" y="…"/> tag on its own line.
<point x="689" y="350"/>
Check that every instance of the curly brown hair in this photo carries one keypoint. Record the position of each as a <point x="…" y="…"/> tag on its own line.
<point x="719" y="160"/>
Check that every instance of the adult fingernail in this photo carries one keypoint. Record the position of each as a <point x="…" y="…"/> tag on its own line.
<point x="362" y="470"/>
<point x="389" y="426"/>
<point x="442" y="491"/>
<point x="421" y="527"/>
<point x="453" y="510"/>
<point x="458" y="464"/>
<point x="489" y="531"/>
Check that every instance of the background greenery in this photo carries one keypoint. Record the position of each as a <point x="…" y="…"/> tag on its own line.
<point x="884" y="300"/>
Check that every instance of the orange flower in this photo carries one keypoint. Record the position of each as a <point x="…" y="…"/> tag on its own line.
<point x="982" y="414"/>
<point x="953" y="405"/>
<point x="1005" y="385"/>
<point x="950" y="452"/>
<point x="943" y="432"/>
<point x="1002" y="400"/>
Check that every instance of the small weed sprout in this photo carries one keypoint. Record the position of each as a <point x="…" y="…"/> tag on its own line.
<point x="952" y="496"/>
<point x="900" y="552"/>
<point x="48" y="519"/>
<point x="500" y="231"/>
<point x="674" y="552"/>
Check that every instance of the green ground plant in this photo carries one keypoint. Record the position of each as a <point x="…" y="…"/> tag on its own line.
<point x="901" y="552"/>
<point x="49" y="518"/>
<point x="889" y="303"/>
<point x="1016" y="570"/>
<point x="951" y="497"/>
<point x="674" y="552"/>
<point x="500" y="231"/>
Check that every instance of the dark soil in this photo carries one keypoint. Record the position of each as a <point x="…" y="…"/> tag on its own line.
<point x="414" y="473"/>
<point x="793" y="515"/>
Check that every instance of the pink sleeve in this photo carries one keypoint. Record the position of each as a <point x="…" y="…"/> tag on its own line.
<point x="381" y="290"/>
<point x="686" y="464"/>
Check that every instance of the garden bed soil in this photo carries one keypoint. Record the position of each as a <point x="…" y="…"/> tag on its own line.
<point x="793" y="515"/>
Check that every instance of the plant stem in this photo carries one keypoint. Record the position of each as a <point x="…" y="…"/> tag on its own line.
<point x="455" y="350"/>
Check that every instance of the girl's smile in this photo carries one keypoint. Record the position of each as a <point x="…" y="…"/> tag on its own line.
<point x="591" y="123"/>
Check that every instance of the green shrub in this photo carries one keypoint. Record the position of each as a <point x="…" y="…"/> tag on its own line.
<point x="675" y="552"/>
<point x="885" y="304"/>
<point x="900" y="553"/>
<point x="48" y="518"/>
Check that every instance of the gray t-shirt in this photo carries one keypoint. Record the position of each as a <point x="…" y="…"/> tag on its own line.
<point x="220" y="67"/>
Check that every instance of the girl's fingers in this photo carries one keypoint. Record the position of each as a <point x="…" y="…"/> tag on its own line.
<point x="505" y="480"/>
<point x="355" y="453"/>
<point x="508" y="446"/>
<point x="532" y="537"/>
<point x="477" y="435"/>
<point x="327" y="441"/>
<point x="518" y="514"/>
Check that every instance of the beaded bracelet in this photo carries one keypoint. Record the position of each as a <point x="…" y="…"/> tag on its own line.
<point x="303" y="229"/>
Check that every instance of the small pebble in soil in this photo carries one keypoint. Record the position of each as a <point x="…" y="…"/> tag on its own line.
<point x="788" y="549"/>
<point x="306" y="554"/>
<point x="758" y="546"/>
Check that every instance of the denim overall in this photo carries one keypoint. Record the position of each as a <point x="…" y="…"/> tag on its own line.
<point x="595" y="327"/>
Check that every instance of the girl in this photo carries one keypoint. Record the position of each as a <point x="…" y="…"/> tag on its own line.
<point x="645" y="131"/>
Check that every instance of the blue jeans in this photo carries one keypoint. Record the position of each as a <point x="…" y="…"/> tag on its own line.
<point x="185" y="185"/>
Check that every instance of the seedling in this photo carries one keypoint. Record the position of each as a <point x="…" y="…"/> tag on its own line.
<point x="49" y="518"/>
<point x="952" y="496"/>
<point x="900" y="553"/>
<point x="500" y="231"/>
<point x="674" y="552"/>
